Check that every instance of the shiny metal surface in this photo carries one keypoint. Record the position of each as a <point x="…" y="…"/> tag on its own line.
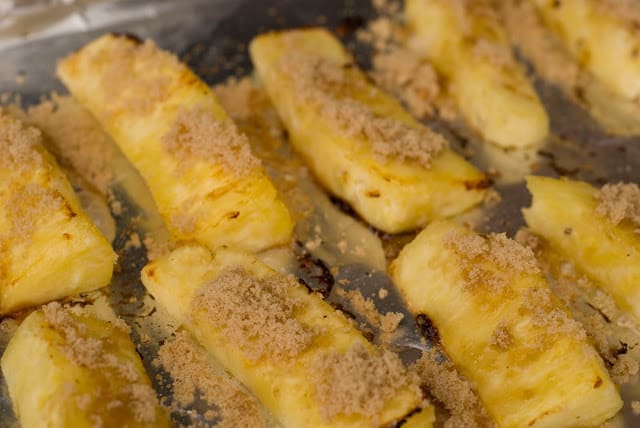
<point x="211" y="36"/>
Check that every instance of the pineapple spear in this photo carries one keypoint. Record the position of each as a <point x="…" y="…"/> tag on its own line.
<point x="602" y="36"/>
<point x="207" y="184"/>
<point x="306" y="362"/>
<point x="500" y="324"/>
<point x="597" y="230"/>
<point x="49" y="248"/>
<point x="358" y="141"/>
<point x="467" y="43"/>
<point x="74" y="369"/>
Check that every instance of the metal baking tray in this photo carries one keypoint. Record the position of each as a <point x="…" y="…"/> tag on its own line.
<point x="212" y="36"/>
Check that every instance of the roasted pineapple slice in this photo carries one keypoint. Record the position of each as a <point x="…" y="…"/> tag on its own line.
<point x="49" y="248"/>
<point x="65" y="369"/>
<point x="566" y="213"/>
<point x="467" y="43"/>
<point x="207" y="184"/>
<point x="504" y="330"/>
<point x="359" y="142"/>
<point x="306" y="362"/>
<point x="602" y="36"/>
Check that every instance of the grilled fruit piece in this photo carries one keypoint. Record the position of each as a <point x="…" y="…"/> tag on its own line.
<point x="505" y="331"/>
<point x="602" y="36"/>
<point x="470" y="48"/>
<point x="566" y="213"/>
<point x="303" y="360"/>
<point x="49" y="248"/>
<point x="69" y="370"/>
<point x="359" y="142"/>
<point x="207" y="184"/>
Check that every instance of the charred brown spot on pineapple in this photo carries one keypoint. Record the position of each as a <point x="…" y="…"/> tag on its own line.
<point x="373" y="193"/>
<point x="478" y="184"/>
<point x="233" y="214"/>
<point x="598" y="383"/>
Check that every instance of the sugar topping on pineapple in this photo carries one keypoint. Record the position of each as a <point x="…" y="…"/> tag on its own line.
<point x="325" y="83"/>
<point x="22" y="148"/>
<point x="358" y="382"/>
<point x="193" y="378"/>
<point x="501" y="337"/>
<point x="408" y="77"/>
<point x="457" y="394"/>
<point x="93" y="352"/>
<point x="619" y="202"/>
<point x="256" y="313"/>
<point x="17" y="142"/>
<point x="497" y="248"/>
<point x="196" y="134"/>
<point x="387" y="322"/>
<point x="138" y="93"/>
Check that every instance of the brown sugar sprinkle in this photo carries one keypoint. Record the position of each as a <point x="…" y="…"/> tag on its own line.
<point x="506" y="253"/>
<point x="496" y="53"/>
<point x="624" y="369"/>
<point x="627" y="11"/>
<point x="596" y="312"/>
<point x="619" y="202"/>
<point x="29" y="202"/>
<point x="450" y="388"/>
<point x="133" y="78"/>
<point x="237" y="97"/>
<point x="28" y="205"/>
<point x="358" y="381"/>
<point x="328" y="85"/>
<point x="156" y="249"/>
<point x="528" y="239"/>
<point x="548" y="314"/>
<point x="18" y="143"/>
<point x="257" y="314"/>
<point x="93" y="353"/>
<point x="197" y="135"/>
<point x="133" y="241"/>
<point x="194" y="378"/>
<point x="387" y="323"/>
<point x="75" y="138"/>
<point x="414" y="81"/>
<point x="501" y="338"/>
<point x="527" y="31"/>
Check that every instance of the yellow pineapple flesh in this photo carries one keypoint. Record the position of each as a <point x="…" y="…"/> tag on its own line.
<point x="467" y="43"/>
<point x="601" y="36"/>
<point x="358" y="141"/>
<point x="564" y="212"/>
<point x="49" y="248"/>
<point x="65" y="369"/>
<point x="504" y="330"/>
<point x="305" y="362"/>
<point x="207" y="184"/>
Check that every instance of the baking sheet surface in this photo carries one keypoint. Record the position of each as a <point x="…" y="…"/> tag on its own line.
<point x="211" y="36"/>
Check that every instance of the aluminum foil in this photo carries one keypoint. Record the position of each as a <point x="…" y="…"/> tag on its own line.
<point x="211" y="36"/>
